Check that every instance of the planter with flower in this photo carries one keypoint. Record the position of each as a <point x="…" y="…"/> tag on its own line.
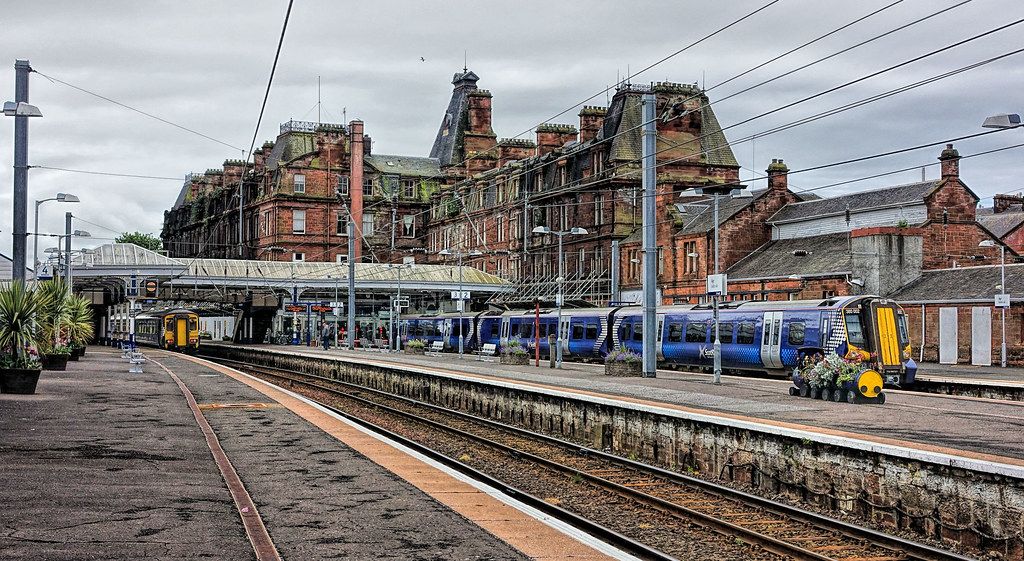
<point x="513" y="353"/>
<point x="19" y="360"/>
<point x="623" y="362"/>
<point x="830" y="377"/>
<point x="54" y="342"/>
<point x="415" y="347"/>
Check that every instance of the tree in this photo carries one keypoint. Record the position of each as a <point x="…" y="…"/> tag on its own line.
<point x="148" y="241"/>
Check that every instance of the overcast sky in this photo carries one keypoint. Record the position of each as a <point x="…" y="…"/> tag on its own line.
<point x="205" y="64"/>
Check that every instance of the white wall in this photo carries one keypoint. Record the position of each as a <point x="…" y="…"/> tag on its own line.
<point x="817" y="226"/>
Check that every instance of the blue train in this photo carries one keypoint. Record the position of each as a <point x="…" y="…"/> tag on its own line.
<point x="771" y="337"/>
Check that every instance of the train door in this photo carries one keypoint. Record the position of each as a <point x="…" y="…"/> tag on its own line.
<point x="449" y="336"/>
<point x="886" y="336"/>
<point x="503" y="333"/>
<point x="180" y="331"/>
<point x="771" y="340"/>
<point x="658" y="340"/>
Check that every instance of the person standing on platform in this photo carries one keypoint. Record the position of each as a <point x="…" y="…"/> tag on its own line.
<point x="325" y="335"/>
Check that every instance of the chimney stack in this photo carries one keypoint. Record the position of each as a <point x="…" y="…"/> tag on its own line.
<point x="552" y="136"/>
<point x="591" y="120"/>
<point x="355" y="183"/>
<point x="510" y="149"/>
<point x="950" y="159"/>
<point x="778" y="175"/>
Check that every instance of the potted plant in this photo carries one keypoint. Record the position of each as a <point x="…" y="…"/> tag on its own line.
<point x="623" y="362"/>
<point x="19" y="362"/>
<point x="54" y="310"/>
<point x="79" y="324"/>
<point x="415" y="346"/>
<point x="513" y="353"/>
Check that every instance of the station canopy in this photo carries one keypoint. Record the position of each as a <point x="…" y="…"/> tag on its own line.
<point x="118" y="261"/>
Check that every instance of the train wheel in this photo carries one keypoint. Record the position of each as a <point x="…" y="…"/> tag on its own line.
<point x="804" y="390"/>
<point x="794" y="391"/>
<point x="851" y="397"/>
<point x="837" y="396"/>
<point x="826" y="394"/>
<point x="881" y="399"/>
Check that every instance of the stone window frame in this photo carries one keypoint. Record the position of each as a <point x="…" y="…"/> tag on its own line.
<point x="341" y="226"/>
<point x="342" y="187"/>
<point x="298" y="217"/>
<point x="299" y="184"/>
<point x="409" y="226"/>
<point x="368" y="224"/>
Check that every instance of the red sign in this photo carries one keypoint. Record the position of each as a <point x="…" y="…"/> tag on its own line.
<point x="293" y="308"/>
<point x="319" y="308"/>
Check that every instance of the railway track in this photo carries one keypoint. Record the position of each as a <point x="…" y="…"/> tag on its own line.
<point x="668" y="500"/>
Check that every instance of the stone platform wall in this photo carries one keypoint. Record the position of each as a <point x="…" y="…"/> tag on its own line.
<point x="981" y="509"/>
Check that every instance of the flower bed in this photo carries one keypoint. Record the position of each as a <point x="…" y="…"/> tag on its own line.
<point x="830" y="377"/>
<point x="513" y="353"/>
<point x="623" y="362"/>
<point x="415" y="347"/>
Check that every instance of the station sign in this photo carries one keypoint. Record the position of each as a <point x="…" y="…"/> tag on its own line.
<point x="296" y="308"/>
<point x="718" y="285"/>
<point x="1002" y="300"/>
<point x="320" y="308"/>
<point x="460" y="295"/>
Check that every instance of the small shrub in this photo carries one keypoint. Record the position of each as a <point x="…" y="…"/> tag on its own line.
<point x="416" y="344"/>
<point x="513" y="348"/>
<point x="622" y="354"/>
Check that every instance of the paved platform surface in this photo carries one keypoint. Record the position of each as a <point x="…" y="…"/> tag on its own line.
<point x="100" y="464"/>
<point x="971" y="427"/>
<point x="966" y="373"/>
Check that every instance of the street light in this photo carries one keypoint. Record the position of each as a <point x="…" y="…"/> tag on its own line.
<point x="559" y="281"/>
<point x="395" y="337"/>
<point x="716" y="192"/>
<point x="61" y="197"/>
<point x="1009" y="121"/>
<point x="21" y="109"/>
<point x="1002" y="302"/>
<point x="459" y="254"/>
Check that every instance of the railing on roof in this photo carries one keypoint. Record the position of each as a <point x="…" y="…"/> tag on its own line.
<point x="308" y="126"/>
<point x="592" y="288"/>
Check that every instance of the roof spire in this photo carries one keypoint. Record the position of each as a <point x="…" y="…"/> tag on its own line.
<point x="465" y="61"/>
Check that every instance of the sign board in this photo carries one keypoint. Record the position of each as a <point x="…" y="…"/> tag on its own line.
<point x="460" y="295"/>
<point x="295" y="308"/>
<point x="401" y="304"/>
<point x="718" y="285"/>
<point x="320" y="308"/>
<point x="1002" y="300"/>
<point x="132" y="289"/>
<point x="338" y="304"/>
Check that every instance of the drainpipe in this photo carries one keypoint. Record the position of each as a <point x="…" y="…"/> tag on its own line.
<point x="920" y="356"/>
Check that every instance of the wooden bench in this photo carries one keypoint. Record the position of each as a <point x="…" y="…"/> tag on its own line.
<point x="486" y="352"/>
<point x="436" y="348"/>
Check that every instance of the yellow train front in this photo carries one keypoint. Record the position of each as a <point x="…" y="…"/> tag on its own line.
<point x="867" y="348"/>
<point x="174" y="330"/>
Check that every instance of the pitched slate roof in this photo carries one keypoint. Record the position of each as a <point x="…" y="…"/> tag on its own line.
<point x="1001" y="223"/>
<point x="405" y="165"/>
<point x="727" y="208"/>
<point x="962" y="283"/>
<point x="911" y="193"/>
<point x="450" y="133"/>
<point x="825" y="254"/>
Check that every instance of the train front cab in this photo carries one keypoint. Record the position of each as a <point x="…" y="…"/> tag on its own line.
<point x="181" y="331"/>
<point x="876" y="330"/>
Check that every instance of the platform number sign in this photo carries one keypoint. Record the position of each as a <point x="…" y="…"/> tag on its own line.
<point x="1002" y="300"/>
<point x="150" y="288"/>
<point x="132" y="287"/>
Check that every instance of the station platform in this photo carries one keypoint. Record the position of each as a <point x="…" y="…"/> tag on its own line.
<point x="100" y="463"/>
<point x="977" y="429"/>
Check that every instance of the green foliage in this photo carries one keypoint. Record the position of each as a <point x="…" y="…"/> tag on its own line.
<point x="148" y="241"/>
<point x="416" y="344"/>
<point x="513" y="348"/>
<point x="18" y="309"/>
<point x="80" y="326"/>
<point x="53" y="314"/>
<point x="623" y="355"/>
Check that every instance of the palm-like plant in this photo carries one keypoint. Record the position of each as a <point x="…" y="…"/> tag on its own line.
<point x="18" y="309"/>
<point x="80" y="328"/>
<point x="54" y="309"/>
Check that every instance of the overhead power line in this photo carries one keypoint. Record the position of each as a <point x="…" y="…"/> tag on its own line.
<point x="137" y="110"/>
<point x="109" y="174"/>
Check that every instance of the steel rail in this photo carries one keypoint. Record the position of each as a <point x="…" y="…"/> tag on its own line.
<point x="899" y="545"/>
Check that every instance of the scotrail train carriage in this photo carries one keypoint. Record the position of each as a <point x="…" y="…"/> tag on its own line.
<point x="767" y="336"/>
<point x="176" y="329"/>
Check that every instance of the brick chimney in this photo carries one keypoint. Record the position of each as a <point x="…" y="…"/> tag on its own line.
<point x="233" y="171"/>
<point x="510" y="149"/>
<point x="778" y="175"/>
<point x="479" y="139"/>
<point x="552" y="136"/>
<point x="355" y="182"/>
<point x="591" y="120"/>
<point x="950" y="159"/>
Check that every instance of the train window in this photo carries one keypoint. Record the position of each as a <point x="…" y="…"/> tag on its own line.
<point x="624" y="330"/>
<point x="854" y="331"/>
<point x="796" y="333"/>
<point x="592" y="331"/>
<point x="456" y="329"/>
<point x="725" y="332"/>
<point x="638" y="331"/>
<point x="193" y="324"/>
<point x="696" y="332"/>
<point x="577" y="331"/>
<point x="745" y="333"/>
<point x="675" y="333"/>
<point x="901" y="324"/>
<point x="494" y="329"/>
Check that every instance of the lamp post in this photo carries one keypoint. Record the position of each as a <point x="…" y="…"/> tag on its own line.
<point x="559" y="281"/>
<point x="1003" y="301"/>
<point x="460" y="302"/>
<point x="21" y="110"/>
<point x="61" y="197"/>
<point x="395" y="337"/>
<point x="66" y="239"/>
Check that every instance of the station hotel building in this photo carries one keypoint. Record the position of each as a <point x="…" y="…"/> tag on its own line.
<point x="482" y="196"/>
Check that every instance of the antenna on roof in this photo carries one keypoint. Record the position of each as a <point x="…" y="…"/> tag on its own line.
<point x="318" y="121"/>
<point x="465" y="61"/>
<point x="922" y="175"/>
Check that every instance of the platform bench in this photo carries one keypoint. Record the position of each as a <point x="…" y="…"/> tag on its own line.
<point x="435" y="348"/>
<point x="487" y="352"/>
